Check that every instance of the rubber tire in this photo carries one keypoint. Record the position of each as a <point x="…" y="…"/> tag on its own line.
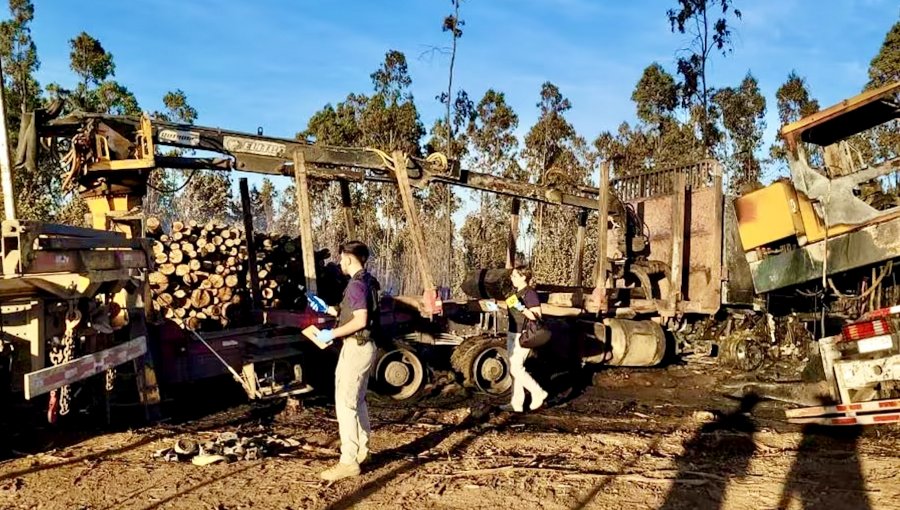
<point x="385" y="393"/>
<point x="464" y="355"/>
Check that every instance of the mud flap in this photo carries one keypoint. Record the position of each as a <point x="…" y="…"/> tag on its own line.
<point x="148" y="389"/>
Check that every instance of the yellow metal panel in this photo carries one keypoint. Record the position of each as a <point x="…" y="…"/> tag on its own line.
<point x="100" y="206"/>
<point x="813" y="224"/>
<point x="768" y="215"/>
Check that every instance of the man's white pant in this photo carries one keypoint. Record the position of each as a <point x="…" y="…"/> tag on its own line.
<point x="522" y="380"/>
<point x="350" y="383"/>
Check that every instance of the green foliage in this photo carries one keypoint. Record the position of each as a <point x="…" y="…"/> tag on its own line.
<point x="266" y="198"/>
<point x="20" y="61"/>
<point x="89" y="60"/>
<point x="462" y="114"/>
<point x="491" y="129"/>
<point x="207" y="197"/>
<point x="178" y="108"/>
<point x="263" y="201"/>
<point x="743" y="111"/>
<point x="160" y="200"/>
<point x="387" y="120"/>
<point x="392" y="79"/>
<point x="656" y="96"/>
<point x="884" y="142"/>
<point x="794" y="102"/>
<point x="95" y="91"/>
<point x="708" y="33"/>
<point x="552" y="158"/>
<point x="484" y="234"/>
<point x="885" y="66"/>
<point x="337" y="125"/>
<point x="22" y="93"/>
<point x="548" y="142"/>
<point x="661" y="139"/>
<point x="115" y="99"/>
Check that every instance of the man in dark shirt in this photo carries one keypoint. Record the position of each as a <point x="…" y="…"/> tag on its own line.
<point x="524" y="305"/>
<point x="357" y="317"/>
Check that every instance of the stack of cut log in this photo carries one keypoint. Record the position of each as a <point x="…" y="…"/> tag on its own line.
<point x="280" y="271"/>
<point x="200" y="279"/>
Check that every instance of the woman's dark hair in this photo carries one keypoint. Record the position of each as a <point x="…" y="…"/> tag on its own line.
<point x="357" y="249"/>
<point x="526" y="272"/>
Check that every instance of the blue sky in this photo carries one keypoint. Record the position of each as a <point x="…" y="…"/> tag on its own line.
<point x="272" y="63"/>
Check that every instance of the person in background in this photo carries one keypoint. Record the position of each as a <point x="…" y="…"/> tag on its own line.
<point x="357" y="321"/>
<point x="527" y="306"/>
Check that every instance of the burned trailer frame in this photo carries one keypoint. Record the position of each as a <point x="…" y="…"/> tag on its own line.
<point x="110" y="154"/>
<point x="685" y="272"/>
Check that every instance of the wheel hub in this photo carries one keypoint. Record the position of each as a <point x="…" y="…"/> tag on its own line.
<point x="492" y="369"/>
<point x="396" y="373"/>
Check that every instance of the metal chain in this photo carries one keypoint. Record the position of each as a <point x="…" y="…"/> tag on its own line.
<point x="63" y="355"/>
<point x="110" y="379"/>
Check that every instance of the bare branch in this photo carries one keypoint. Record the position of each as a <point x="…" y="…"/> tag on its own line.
<point x="427" y="55"/>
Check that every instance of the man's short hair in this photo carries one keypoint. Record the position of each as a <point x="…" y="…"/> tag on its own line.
<point x="357" y="249"/>
<point x="526" y="272"/>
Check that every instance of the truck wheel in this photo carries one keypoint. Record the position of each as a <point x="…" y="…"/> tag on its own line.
<point x="483" y="364"/>
<point x="399" y="373"/>
<point x="742" y="351"/>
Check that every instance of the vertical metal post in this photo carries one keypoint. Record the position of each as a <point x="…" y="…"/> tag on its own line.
<point x="251" y="245"/>
<point x="513" y="234"/>
<point x="602" y="233"/>
<point x="579" y="249"/>
<point x="9" y="195"/>
<point x="719" y="233"/>
<point x="678" y="199"/>
<point x="305" y="219"/>
<point x="418" y="238"/>
<point x="347" y="207"/>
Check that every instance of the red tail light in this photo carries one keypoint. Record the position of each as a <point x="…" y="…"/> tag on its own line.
<point x="883" y="312"/>
<point x="868" y="329"/>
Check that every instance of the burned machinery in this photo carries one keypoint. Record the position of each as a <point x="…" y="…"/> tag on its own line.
<point x="111" y="157"/>
<point x="676" y="255"/>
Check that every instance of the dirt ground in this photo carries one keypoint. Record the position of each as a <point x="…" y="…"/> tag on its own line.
<point x="652" y="438"/>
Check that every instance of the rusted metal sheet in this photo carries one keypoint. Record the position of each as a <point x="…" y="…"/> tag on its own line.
<point x="702" y="246"/>
<point x="870" y="245"/>
<point x="81" y="261"/>
<point x="272" y="155"/>
<point x="63" y="285"/>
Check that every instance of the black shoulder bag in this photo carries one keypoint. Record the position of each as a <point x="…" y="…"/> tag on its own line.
<point x="535" y="335"/>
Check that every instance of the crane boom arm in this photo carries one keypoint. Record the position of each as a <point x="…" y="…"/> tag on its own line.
<point x="272" y="155"/>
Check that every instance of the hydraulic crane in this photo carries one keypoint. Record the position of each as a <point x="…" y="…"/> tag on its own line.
<point x="109" y="159"/>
